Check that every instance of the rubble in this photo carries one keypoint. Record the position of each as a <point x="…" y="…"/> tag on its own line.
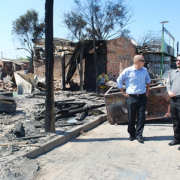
<point x="22" y="119"/>
<point x="29" y="119"/>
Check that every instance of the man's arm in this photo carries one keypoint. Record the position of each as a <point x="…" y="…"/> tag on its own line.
<point x="168" y="86"/>
<point x="119" y="81"/>
<point x="148" y="81"/>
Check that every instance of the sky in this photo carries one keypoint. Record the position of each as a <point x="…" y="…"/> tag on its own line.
<point x="147" y="15"/>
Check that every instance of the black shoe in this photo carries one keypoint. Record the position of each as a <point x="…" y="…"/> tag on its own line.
<point x="178" y="148"/>
<point x="174" y="142"/>
<point x="140" y="140"/>
<point x="132" y="138"/>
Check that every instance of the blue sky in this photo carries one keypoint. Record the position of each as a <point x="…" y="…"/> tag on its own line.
<point x="147" y="16"/>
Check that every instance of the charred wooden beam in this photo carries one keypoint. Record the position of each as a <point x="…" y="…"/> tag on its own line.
<point x="63" y="70"/>
<point x="19" y="130"/>
<point x="49" y="51"/>
<point x="74" y="111"/>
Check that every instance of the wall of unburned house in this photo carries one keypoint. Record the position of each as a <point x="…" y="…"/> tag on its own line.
<point x="120" y="53"/>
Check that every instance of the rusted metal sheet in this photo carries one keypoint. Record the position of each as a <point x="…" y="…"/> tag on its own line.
<point x="157" y="105"/>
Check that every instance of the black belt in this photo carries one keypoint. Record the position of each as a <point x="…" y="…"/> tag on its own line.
<point x="176" y="97"/>
<point x="137" y="95"/>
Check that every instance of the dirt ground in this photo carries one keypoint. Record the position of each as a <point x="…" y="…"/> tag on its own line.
<point x="30" y="112"/>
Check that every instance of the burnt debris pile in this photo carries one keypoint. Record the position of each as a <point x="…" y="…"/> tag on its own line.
<point x="23" y="128"/>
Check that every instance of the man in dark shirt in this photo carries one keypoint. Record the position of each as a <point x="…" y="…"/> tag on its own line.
<point x="173" y="89"/>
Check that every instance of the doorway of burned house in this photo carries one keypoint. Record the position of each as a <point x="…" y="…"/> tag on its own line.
<point x="90" y="72"/>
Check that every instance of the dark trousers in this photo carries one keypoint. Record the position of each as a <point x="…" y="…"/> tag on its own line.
<point x="136" y="109"/>
<point x="175" y="115"/>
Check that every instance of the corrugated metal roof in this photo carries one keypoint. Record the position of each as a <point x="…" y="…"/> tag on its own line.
<point x="5" y="60"/>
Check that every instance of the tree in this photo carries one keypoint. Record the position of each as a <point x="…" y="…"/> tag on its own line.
<point x="26" y="28"/>
<point x="110" y="17"/>
<point x="149" y="37"/>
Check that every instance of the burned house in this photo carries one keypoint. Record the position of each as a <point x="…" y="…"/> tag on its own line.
<point x="8" y="66"/>
<point x="60" y="45"/>
<point x="156" y="60"/>
<point x="112" y="57"/>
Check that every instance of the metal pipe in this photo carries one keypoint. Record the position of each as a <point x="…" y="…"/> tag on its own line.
<point x="162" y="49"/>
<point x="162" y="46"/>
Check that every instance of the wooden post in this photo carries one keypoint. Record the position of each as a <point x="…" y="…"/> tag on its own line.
<point x="81" y="68"/>
<point x="49" y="59"/>
<point x="95" y="55"/>
<point x="63" y="70"/>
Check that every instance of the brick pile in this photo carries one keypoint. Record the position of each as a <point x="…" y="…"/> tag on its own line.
<point x="7" y="86"/>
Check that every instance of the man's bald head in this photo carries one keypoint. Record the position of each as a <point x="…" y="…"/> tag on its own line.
<point x="138" y="57"/>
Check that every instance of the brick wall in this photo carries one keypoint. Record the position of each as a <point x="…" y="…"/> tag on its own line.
<point x="120" y="53"/>
<point x="39" y="67"/>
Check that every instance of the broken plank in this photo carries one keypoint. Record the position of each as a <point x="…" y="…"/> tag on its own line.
<point x="10" y="144"/>
<point x="74" y="111"/>
<point x="4" y="97"/>
<point x="6" y="102"/>
<point x="9" y="94"/>
<point x="31" y="137"/>
<point x="4" y="107"/>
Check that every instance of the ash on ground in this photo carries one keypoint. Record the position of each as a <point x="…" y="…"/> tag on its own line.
<point x="71" y="109"/>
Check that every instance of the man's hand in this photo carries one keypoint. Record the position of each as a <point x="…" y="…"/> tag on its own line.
<point x="147" y="94"/>
<point x="125" y="94"/>
<point x="171" y="94"/>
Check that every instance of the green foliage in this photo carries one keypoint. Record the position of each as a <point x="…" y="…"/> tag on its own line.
<point x="22" y="58"/>
<point x="26" y="28"/>
<point x="28" y="58"/>
<point x="107" y="17"/>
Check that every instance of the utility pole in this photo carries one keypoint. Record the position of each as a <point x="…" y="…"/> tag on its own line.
<point x="1" y="55"/>
<point x="49" y="62"/>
